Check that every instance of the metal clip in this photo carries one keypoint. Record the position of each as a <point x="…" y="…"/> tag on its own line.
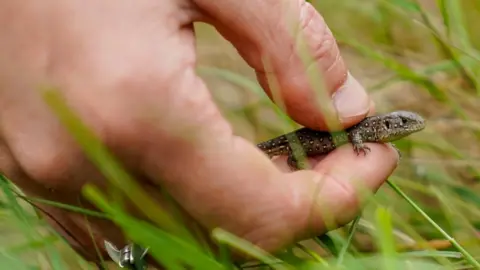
<point x="130" y="257"/>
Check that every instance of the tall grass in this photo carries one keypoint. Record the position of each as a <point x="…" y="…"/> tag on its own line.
<point x="417" y="55"/>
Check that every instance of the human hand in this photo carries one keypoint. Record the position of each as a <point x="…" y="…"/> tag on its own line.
<point x="128" y="70"/>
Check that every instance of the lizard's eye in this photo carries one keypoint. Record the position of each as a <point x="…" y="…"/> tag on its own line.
<point x="404" y="120"/>
<point x="387" y="124"/>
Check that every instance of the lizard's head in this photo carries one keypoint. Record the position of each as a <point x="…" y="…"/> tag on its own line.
<point x="396" y="125"/>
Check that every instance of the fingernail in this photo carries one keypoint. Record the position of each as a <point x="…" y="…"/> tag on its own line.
<point x="351" y="100"/>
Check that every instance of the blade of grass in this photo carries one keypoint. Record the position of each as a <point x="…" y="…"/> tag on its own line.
<point x="166" y="248"/>
<point x="385" y="237"/>
<point x="465" y="253"/>
<point x="401" y="70"/>
<point x="68" y="207"/>
<point x="415" y="6"/>
<point x="351" y="233"/>
<point x="457" y="30"/>
<point x="10" y="262"/>
<point x="248" y="248"/>
<point x="13" y="205"/>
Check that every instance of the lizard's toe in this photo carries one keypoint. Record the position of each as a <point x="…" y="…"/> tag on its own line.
<point x="361" y="148"/>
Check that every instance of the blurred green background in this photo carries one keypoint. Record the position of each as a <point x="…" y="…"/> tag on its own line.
<point x="421" y="56"/>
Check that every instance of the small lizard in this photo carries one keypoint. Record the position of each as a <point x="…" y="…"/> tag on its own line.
<point x="308" y="142"/>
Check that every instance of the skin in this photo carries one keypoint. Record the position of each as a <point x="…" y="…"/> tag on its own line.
<point x="127" y="69"/>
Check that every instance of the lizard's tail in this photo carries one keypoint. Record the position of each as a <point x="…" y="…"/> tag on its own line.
<point x="274" y="147"/>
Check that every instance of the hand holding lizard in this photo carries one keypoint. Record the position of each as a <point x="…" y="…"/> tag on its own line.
<point x="128" y="69"/>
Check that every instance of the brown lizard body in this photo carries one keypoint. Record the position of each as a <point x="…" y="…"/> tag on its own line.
<point x="380" y="128"/>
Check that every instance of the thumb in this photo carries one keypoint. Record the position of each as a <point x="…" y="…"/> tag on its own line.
<point x="262" y="30"/>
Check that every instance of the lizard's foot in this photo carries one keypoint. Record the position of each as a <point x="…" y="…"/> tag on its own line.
<point x="361" y="148"/>
<point x="296" y="165"/>
<point x="398" y="150"/>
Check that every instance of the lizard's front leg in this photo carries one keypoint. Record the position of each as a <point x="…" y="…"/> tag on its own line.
<point x="297" y="161"/>
<point x="358" y="145"/>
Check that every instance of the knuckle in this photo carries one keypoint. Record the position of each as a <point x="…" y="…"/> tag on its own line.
<point x="320" y="38"/>
<point x="324" y="51"/>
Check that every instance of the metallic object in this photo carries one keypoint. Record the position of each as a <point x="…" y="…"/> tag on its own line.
<point x="130" y="257"/>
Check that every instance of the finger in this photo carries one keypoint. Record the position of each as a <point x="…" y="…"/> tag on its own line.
<point x="262" y="30"/>
<point x="343" y="180"/>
